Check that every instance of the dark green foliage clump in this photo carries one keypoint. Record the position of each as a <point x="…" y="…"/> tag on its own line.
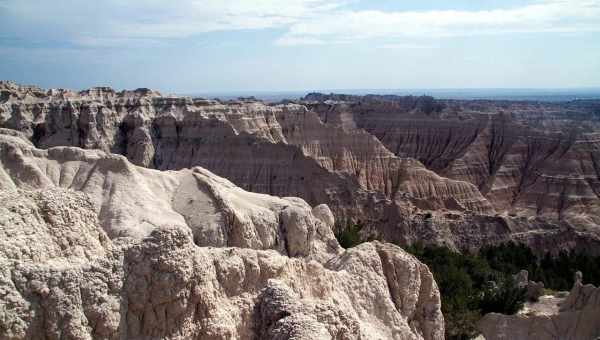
<point x="508" y="298"/>
<point x="556" y="272"/>
<point x="472" y="285"/>
<point x="469" y="287"/>
<point x="350" y="236"/>
<point x="509" y="257"/>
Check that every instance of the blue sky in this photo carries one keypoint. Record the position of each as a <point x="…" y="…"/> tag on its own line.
<point x="189" y="46"/>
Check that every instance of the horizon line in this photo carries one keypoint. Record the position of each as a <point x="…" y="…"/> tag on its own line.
<point x="340" y="90"/>
<point x="327" y="90"/>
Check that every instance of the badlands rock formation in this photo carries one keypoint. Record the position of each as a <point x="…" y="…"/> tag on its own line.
<point x="93" y="247"/>
<point x="576" y="317"/>
<point x="533" y="289"/>
<point x="133" y="201"/>
<point x="462" y="174"/>
<point x="528" y="159"/>
<point x="532" y="161"/>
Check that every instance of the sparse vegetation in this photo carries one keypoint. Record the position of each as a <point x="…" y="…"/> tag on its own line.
<point x="472" y="285"/>
<point x="556" y="272"/>
<point x="350" y="236"/>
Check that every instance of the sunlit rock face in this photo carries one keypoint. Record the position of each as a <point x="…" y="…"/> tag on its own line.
<point x="457" y="173"/>
<point x="94" y="247"/>
<point x="534" y="161"/>
<point x="525" y="158"/>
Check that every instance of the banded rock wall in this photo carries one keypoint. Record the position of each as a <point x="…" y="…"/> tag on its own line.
<point x="404" y="175"/>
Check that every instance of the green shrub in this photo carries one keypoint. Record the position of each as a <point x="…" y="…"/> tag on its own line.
<point x="507" y="298"/>
<point x="556" y="272"/>
<point x="465" y="286"/>
<point x="472" y="285"/>
<point x="350" y="236"/>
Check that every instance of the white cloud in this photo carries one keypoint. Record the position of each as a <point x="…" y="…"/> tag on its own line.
<point x="290" y="40"/>
<point x="395" y="46"/>
<point x="170" y="19"/>
<point x="166" y="18"/>
<point x="547" y="16"/>
<point x="118" y="22"/>
<point x="304" y="22"/>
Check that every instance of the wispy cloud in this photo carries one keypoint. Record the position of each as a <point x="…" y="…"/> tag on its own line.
<point x="304" y="22"/>
<point x="170" y="19"/>
<point x="116" y="23"/>
<point x="547" y="16"/>
<point x="395" y="46"/>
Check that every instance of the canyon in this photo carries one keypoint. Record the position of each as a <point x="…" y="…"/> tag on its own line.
<point x="94" y="247"/>
<point x="137" y="215"/>
<point x="406" y="169"/>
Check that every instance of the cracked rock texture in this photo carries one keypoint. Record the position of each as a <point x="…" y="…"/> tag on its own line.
<point x="133" y="201"/>
<point x="459" y="173"/>
<point x="94" y="247"/>
<point x="63" y="278"/>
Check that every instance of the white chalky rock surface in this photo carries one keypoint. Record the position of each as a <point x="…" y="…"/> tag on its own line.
<point x="92" y="247"/>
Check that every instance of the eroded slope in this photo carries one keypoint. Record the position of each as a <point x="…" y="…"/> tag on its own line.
<point x="464" y="174"/>
<point x="93" y="247"/>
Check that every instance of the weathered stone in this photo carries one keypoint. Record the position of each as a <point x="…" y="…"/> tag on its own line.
<point x="575" y="317"/>
<point x="459" y="173"/>
<point x="93" y="247"/>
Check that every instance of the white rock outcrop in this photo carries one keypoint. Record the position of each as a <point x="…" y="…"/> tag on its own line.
<point x="464" y="179"/>
<point x="133" y="201"/>
<point x="92" y="247"/>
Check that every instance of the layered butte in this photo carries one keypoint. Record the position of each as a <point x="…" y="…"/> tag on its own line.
<point x="407" y="169"/>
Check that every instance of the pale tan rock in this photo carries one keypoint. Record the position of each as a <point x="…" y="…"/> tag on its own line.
<point x="185" y="133"/>
<point x="133" y="201"/>
<point x="473" y="174"/>
<point x="267" y="266"/>
<point x="533" y="289"/>
<point x="165" y="287"/>
<point x="276" y="149"/>
<point x="527" y="158"/>
<point x="323" y="213"/>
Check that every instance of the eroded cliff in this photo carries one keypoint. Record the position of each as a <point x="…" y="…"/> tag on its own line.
<point x="93" y="247"/>
<point x="407" y="169"/>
